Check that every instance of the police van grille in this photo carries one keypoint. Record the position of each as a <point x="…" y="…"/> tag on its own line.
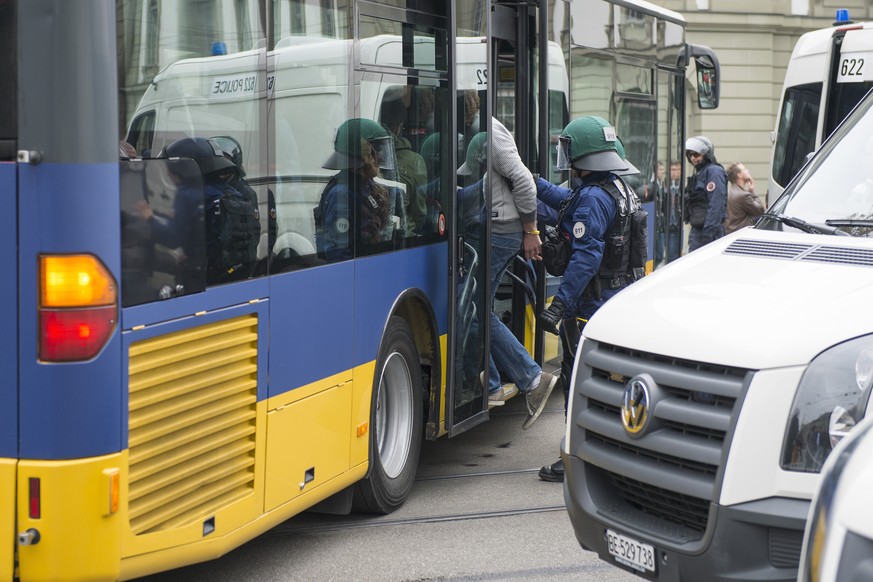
<point x="685" y="511"/>
<point x="192" y="410"/>
<point x="668" y="476"/>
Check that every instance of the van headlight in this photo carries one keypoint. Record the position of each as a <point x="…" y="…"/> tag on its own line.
<point x="830" y="401"/>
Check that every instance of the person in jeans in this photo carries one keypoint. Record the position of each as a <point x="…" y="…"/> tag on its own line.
<point x="513" y="228"/>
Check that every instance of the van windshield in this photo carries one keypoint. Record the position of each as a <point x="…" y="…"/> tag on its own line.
<point x="836" y="188"/>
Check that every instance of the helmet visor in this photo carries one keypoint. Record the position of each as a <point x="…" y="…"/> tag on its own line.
<point x="228" y="147"/>
<point x="563" y="147"/>
<point x="382" y="149"/>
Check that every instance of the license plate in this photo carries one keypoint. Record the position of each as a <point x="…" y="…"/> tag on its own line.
<point x="630" y="552"/>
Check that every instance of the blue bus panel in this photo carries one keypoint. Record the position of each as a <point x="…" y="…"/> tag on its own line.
<point x="69" y="410"/>
<point x="8" y="315"/>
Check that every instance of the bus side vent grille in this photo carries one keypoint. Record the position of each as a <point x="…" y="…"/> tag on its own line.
<point x="193" y="395"/>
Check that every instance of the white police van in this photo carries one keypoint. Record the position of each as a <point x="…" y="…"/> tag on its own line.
<point x="707" y="396"/>
<point x="829" y="72"/>
<point x="838" y="544"/>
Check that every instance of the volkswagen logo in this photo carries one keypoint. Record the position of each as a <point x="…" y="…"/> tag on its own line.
<point x="635" y="406"/>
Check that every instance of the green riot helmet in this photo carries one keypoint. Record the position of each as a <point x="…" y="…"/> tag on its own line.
<point x="477" y="154"/>
<point x="631" y="169"/>
<point x="589" y="143"/>
<point x="356" y="140"/>
<point x="430" y="152"/>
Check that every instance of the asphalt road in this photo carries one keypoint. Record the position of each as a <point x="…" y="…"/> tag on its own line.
<point x="477" y="511"/>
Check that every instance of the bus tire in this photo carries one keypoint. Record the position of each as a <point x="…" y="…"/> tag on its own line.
<point x="396" y="418"/>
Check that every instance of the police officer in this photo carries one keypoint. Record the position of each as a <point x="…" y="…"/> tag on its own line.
<point x="354" y="208"/>
<point x="232" y="150"/>
<point x="590" y="149"/>
<point x="706" y="193"/>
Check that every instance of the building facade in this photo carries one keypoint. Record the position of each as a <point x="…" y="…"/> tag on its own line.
<point x="753" y="40"/>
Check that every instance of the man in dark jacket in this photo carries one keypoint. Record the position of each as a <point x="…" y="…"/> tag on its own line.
<point x="706" y="202"/>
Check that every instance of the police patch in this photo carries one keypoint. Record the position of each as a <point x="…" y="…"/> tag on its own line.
<point x="341" y="225"/>
<point x="579" y="229"/>
<point x="710" y="186"/>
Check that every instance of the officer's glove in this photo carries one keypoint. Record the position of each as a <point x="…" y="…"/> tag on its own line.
<point x="551" y="317"/>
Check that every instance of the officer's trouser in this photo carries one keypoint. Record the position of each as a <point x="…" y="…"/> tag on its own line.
<point x="571" y="331"/>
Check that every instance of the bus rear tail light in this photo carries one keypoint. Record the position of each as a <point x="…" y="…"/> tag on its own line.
<point x="34" y="509"/>
<point x="78" y="306"/>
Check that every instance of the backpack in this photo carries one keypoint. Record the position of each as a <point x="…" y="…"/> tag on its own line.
<point x="233" y="230"/>
<point x="626" y="241"/>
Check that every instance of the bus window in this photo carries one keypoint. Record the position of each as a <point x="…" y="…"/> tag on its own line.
<point x="795" y="137"/>
<point x="161" y="258"/>
<point x="559" y="117"/>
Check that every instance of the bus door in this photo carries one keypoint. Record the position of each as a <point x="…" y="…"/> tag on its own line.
<point x="9" y="286"/>
<point x="524" y="103"/>
<point x="468" y="218"/>
<point x="8" y="362"/>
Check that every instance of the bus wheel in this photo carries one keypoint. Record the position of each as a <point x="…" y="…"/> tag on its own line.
<point x="395" y="423"/>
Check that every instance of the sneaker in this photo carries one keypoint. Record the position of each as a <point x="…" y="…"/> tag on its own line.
<point x="501" y="395"/>
<point x="537" y="398"/>
<point x="495" y="399"/>
<point x="509" y="390"/>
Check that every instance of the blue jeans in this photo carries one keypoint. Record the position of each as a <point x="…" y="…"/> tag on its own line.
<point x="673" y="245"/>
<point x="697" y="238"/>
<point x="507" y="353"/>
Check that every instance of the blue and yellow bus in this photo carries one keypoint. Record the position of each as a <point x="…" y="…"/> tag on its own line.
<point x="173" y="388"/>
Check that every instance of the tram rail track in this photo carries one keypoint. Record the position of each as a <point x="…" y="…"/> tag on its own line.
<point x="361" y="521"/>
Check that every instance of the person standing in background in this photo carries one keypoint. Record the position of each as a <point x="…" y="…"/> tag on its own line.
<point x="674" y="225"/>
<point x="706" y="193"/>
<point x="743" y="205"/>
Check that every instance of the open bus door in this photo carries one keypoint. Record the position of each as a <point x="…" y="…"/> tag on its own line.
<point x="506" y="91"/>
<point x="533" y="107"/>
<point x="469" y="257"/>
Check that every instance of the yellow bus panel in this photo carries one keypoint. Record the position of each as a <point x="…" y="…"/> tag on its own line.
<point x="7" y="515"/>
<point x="79" y="537"/>
<point x="307" y="444"/>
